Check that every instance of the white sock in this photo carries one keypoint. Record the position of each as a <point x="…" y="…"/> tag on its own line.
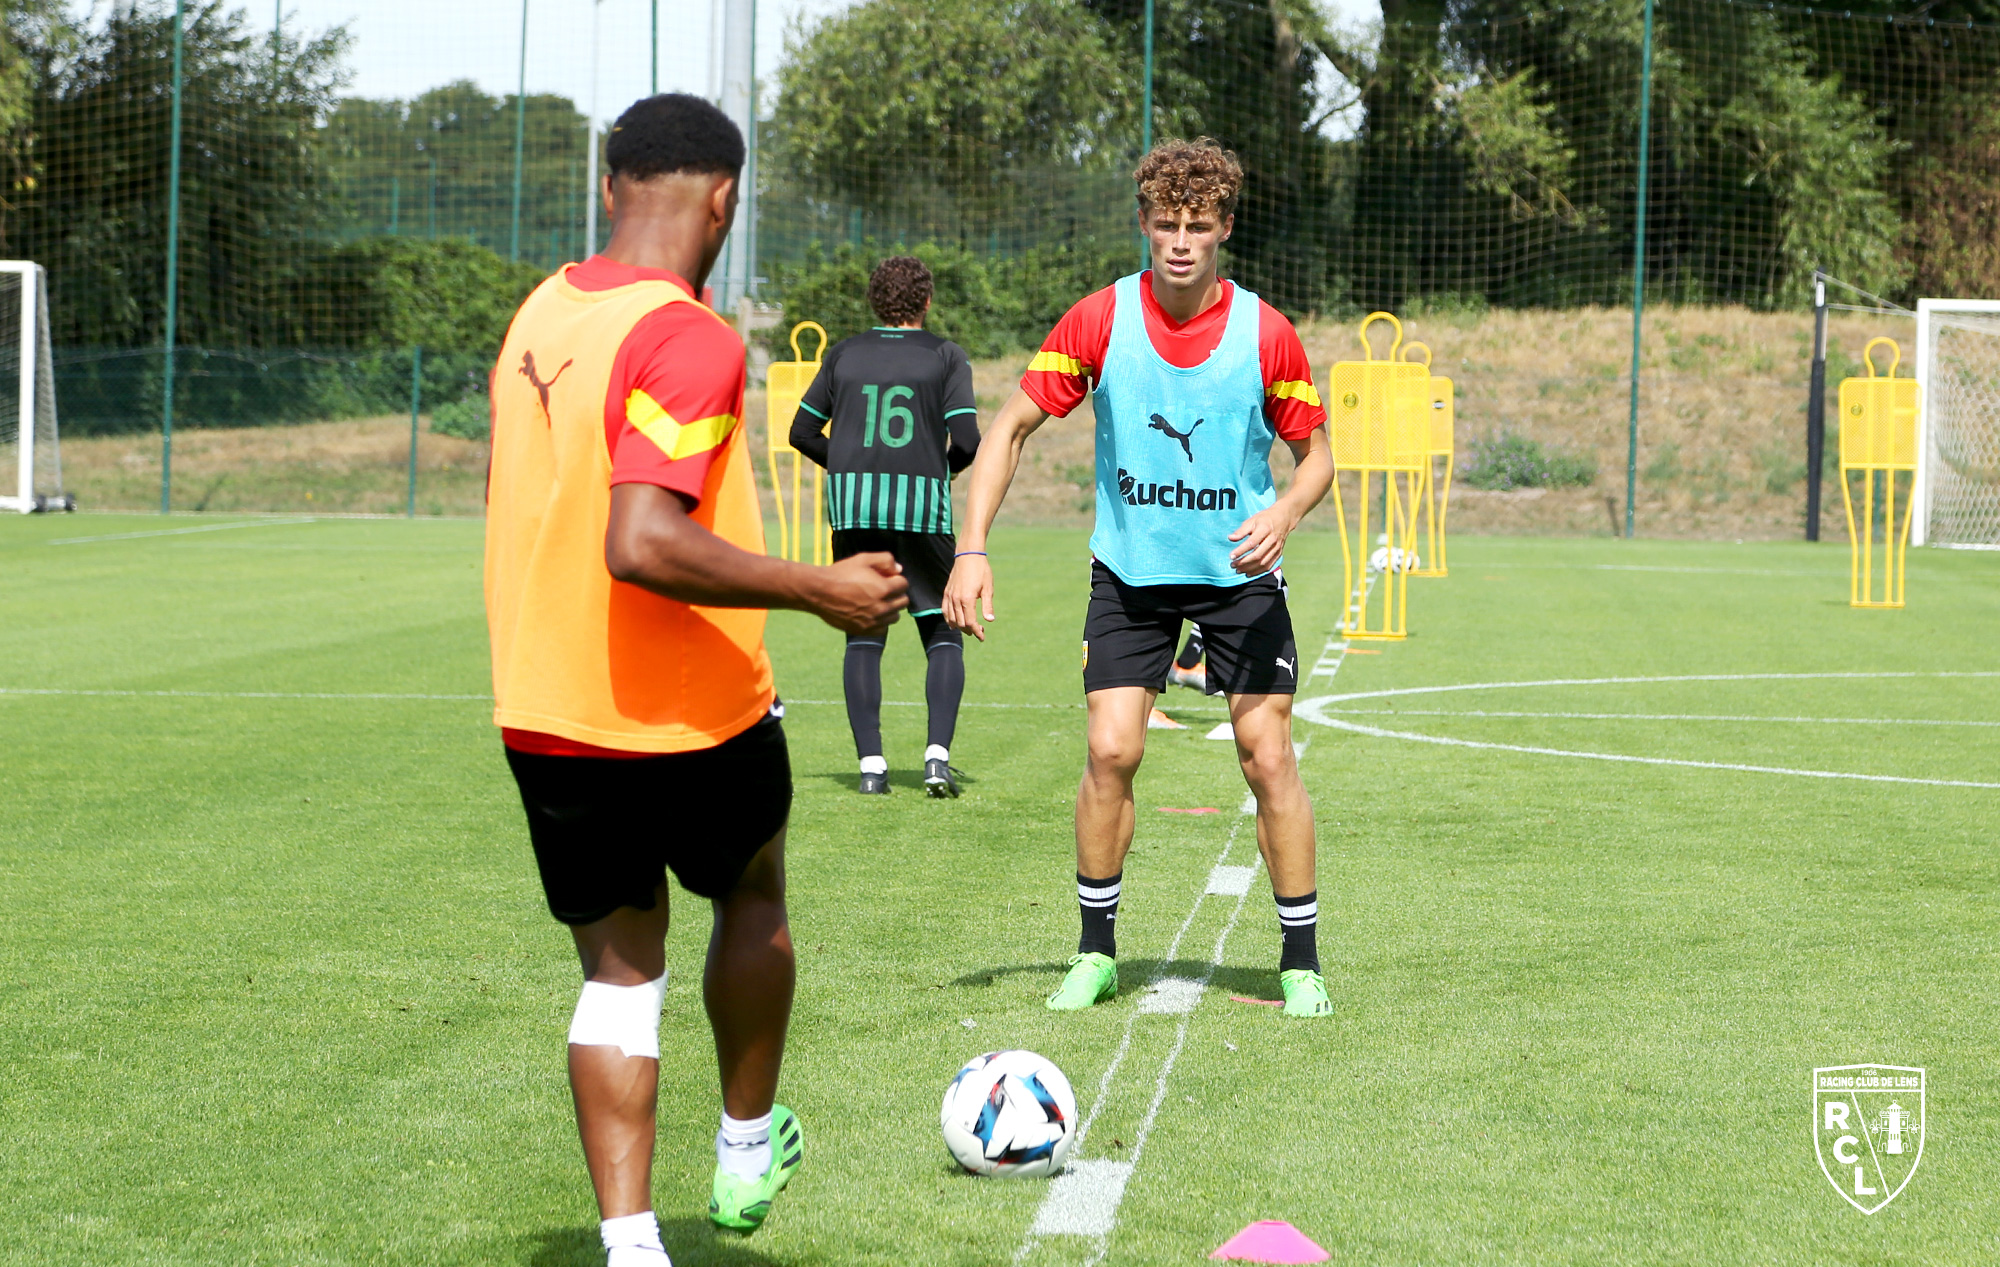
<point x="743" y="1148"/>
<point x="874" y="765"/>
<point x="937" y="752"/>
<point x="633" y="1240"/>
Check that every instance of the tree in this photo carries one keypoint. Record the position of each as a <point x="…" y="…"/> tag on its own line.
<point x="1761" y="165"/>
<point x="1930" y="77"/>
<point x="1245" y="74"/>
<point x="1953" y="237"/>
<point x="25" y="26"/>
<point x="441" y="165"/>
<point x="959" y="121"/>
<point x="252" y="191"/>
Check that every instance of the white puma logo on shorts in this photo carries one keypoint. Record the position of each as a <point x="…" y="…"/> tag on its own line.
<point x="1287" y="667"/>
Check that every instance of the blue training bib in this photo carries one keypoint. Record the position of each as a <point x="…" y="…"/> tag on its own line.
<point x="1183" y="455"/>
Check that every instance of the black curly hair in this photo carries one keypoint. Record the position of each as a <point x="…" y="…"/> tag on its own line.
<point x="899" y="290"/>
<point x="673" y="133"/>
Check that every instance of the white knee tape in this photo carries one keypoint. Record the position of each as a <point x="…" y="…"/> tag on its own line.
<point x="623" y="1016"/>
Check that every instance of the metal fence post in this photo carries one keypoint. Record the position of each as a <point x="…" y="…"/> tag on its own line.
<point x="520" y="136"/>
<point x="1816" y="409"/>
<point x="173" y="276"/>
<point x="1639" y="263"/>
<point x="416" y="404"/>
<point x="1146" y="127"/>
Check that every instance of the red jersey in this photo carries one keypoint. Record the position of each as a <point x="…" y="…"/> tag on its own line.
<point x="677" y="362"/>
<point x="1062" y="372"/>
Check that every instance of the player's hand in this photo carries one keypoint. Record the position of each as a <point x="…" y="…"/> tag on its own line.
<point x="1263" y="536"/>
<point x="861" y="593"/>
<point x="969" y="594"/>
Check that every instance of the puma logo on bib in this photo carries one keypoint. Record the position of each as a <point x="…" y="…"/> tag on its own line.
<point x="1167" y="428"/>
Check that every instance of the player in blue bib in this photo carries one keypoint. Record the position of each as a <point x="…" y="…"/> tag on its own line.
<point x="1193" y="379"/>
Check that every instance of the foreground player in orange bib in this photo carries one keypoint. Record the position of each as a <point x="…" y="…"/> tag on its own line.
<point x="1193" y="379"/>
<point x="625" y="585"/>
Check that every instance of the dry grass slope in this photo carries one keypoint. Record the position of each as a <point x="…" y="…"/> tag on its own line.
<point x="1721" y="431"/>
<point x="359" y="466"/>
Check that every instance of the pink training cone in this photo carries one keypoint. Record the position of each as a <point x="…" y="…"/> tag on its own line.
<point x="1271" y="1241"/>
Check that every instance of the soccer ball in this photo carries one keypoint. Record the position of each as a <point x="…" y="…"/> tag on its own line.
<point x="1009" y="1113"/>
<point x="1405" y="560"/>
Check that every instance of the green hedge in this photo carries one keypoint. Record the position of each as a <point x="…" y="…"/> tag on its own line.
<point x="367" y="303"/>
<point x="989" y="307"/>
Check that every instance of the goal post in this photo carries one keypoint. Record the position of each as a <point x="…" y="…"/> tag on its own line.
<point x="30" y="452"/>
<point x="1957" y="488"/>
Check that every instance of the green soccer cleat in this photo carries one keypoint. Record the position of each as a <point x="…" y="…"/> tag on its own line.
<point x="1305" y="993"/>
<point x="1092" y="978"/>
<point x="741" y="1204"/>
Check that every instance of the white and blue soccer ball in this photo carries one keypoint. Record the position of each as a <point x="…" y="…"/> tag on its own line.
<point x="1009" y="1113"/>
<point x="1401" y="560"/>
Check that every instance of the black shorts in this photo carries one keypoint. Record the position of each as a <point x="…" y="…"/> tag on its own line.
<point x="1130" y="633"/>
<point x="926" y="558"/>
<point x="605" y="829"/>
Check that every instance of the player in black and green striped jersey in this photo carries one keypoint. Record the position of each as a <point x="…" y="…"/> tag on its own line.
<point x="898" y="402"/>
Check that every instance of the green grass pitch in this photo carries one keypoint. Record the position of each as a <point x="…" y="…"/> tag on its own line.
<point x="279" y="988"/>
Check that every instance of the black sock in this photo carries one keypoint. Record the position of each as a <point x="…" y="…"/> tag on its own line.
<point x="1191" y="650"/>
<point x="1098" y="901"/>
<point x="1298" y="924"/>
<point x="944" y="676"/>
<point x="861" y="675"/>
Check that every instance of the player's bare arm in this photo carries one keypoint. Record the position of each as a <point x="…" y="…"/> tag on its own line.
<point x="653" y="542"/>
<point x="1263" y="534"/>
<point x="968" y="596"/>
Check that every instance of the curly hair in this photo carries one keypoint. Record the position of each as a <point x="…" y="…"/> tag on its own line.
<point x="899" y="289"/>
<point x="1190" y="174"/>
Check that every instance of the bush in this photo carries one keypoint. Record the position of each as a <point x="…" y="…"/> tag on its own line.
<point x="450" y="295"/>
<point x="363" y="306"/>
<point x="832" y="289"/>
<point x="468" y="418"/>
<point x="987" y="306"/>
<point x="1510" y="460"/>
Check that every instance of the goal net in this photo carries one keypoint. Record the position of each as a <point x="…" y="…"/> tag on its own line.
<point x="30" y="454"/>
<point x="1958" y="463"/>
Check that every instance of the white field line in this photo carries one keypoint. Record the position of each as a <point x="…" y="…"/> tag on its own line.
<point x="393" y="695"/>
<point x="1085" y="1185"/>
<point x="1125" y="1043"/>
<point x="917" y="703"/>
<point x="1722" y="717"/>
<point x="315" y="695"/>
<point x="1649" y="567"/>
<point x="1317" y="711"/>
<point x="1628" y="681"/>
<point x="1379" y="733"/>
<point x="1084" y="1200"/>
<point x="177" y="532"/>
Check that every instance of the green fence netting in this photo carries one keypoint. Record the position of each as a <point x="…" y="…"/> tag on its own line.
<point x="1473" y="162"/>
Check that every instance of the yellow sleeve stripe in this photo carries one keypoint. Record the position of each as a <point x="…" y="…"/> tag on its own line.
<point x="674" y="438"/>
<point x="1057" y="363"/>
<point x="1294" y="389"/>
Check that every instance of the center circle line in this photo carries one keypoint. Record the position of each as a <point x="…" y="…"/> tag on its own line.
<point x="1318" y="711"/>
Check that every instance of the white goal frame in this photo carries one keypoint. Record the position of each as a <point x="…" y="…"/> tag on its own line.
<point x="1926" y="448"/>
<point x="33" y="280"/>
